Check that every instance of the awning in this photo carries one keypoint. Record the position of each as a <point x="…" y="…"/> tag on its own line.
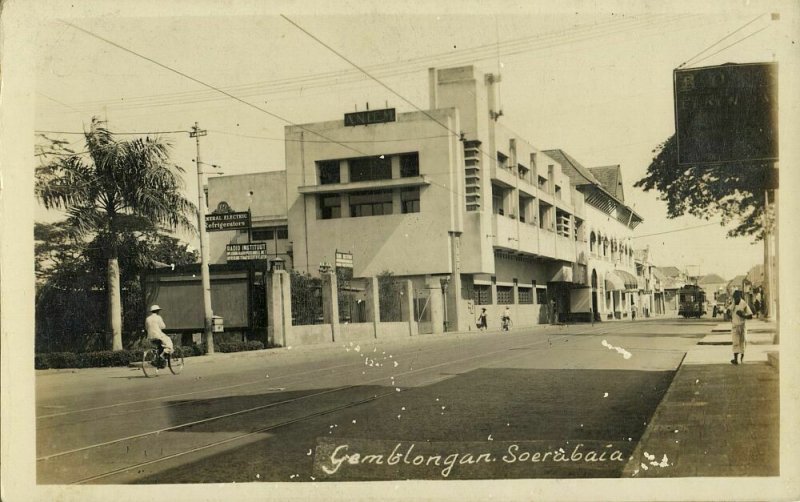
<point x="621" y="280"/>
<point x="614" y="282"/>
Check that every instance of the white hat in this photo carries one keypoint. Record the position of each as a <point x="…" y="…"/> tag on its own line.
<point x="155" y="308"/>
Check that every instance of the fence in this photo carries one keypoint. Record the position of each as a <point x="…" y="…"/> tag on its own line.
<point x="390" y="295"/>
<point x="352" y="297"/>
<point x="306" y="300"/>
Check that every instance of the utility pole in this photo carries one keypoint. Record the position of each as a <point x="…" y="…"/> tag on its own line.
<point x="195" y="133"/>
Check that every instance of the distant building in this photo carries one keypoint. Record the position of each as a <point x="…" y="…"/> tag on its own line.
<point x="713" y="285"/>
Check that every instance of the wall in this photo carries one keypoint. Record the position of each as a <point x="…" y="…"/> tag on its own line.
<point x="379" y="243"/>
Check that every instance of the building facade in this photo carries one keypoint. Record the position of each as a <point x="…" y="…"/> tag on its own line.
<point x="451" y="200"/>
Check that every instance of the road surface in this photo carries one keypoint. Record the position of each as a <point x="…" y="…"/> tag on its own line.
<point x="548" y="402"/>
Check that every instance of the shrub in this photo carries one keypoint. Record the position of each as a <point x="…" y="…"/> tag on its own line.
<point x="106" y="358"/>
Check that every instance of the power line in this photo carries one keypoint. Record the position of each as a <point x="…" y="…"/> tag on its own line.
<point x="674" y="231"/>
<point x="720" y="40"/>
<point x="394" y="140"/>
<point x="731" y="45"/>
<point x="82" y="133"/>
<point x="365" y="72"/>
<point x="193" y="79"/>
<point x="394" y="68"/>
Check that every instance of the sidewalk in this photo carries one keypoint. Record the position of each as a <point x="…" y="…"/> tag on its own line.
<point x="717" y="419"/>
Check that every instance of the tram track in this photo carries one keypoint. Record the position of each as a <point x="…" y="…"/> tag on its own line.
<point x="418" y="372"/>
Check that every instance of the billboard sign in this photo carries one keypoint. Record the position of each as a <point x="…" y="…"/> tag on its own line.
<point x="369" y="117"/>
<point x="227" y="221"/>
<point x="246" y="252"/>
<point x="726" y="113"/>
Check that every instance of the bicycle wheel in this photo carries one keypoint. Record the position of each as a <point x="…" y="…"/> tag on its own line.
<point x="175" y="361"/>
<point x="149" y="363"/>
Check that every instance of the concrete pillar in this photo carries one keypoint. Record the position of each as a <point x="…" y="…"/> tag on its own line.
<point x="279" y="307"/>
<point x="408" y="307"/>
<point x="373" y="304"/>
<point x="436" y="304"/>
<point x="330" y="303"/>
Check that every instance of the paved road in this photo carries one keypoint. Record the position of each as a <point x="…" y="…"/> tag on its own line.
<point x="561" y="401"/>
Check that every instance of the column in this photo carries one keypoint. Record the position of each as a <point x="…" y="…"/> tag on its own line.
<point x="408" y="307"/>
<point x="330" y="303"/>
<point x="279" y="315"/>
<point x="436" y="304"/>
<point x="373" y="304"/>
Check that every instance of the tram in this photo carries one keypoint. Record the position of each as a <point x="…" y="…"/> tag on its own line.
<point x="691" y="301"/>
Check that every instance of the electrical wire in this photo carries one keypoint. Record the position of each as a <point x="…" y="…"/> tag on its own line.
<point x="344" y="77"/>
<point x="720" y="40"/>
<point x="115" y="133"/>
<point x="731" y="45"/>
<point x="674" y="231"/>
<point x="193" y="79"/>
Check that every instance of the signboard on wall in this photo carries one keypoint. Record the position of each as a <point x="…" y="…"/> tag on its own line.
<point x="227" y="221"/>
<point x="369" y="117"/>
<point x="726" y="113"/>
<point x="246" y="252"/>
<point x="344" y="260"/>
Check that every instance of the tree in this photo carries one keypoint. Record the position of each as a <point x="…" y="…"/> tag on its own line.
<point x="734" y="191"/>
<point x="112" y="188"/>
<point x="70" y="282"/>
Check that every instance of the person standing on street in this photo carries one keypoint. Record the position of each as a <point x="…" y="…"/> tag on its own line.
<point x="506" y="319"/>
<point x="154" y="324"/>
<point x="740" y="312"/>
<point x="482" y="320"/>
<point x="633" y="312"/>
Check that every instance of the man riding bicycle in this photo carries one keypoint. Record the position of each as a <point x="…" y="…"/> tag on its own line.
<point x="153" y="324"/>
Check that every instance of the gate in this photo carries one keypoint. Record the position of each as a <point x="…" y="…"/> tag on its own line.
<point x="422" y="312"/>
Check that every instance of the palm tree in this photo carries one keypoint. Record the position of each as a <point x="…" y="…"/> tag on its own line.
<point x="113" y="187"/>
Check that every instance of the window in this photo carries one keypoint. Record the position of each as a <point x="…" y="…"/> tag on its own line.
<point x="370" y="168"/>
<point x="541" y="296"/>
<point x="268" y="234"/>
<point x="409" y="165"/>
<point x="505" y="295"/>
<point x="558" y="192"/>
<point x="261" y="234"/>
<point x="409" y="200"/>
<point x="522" y="171"/>
<point x="502" y="160"/>
<point x="330" y="206"/>
<point x="328" y="171"/>
<point x="371" y="203"/>
<point x="525" y="295"/>
<point x="497" y="200"/>
<point x="542" y="183"/>
<point x="483" y="294"/>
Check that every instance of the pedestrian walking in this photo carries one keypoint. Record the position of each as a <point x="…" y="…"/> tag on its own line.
<point x="633" y="312"/>
<point x="154" y="324"/>
<point x="740" y="312"/>
<point x="506" y="319"/>
<point x="756" y="307"/>
<point x="553" y="312"/>
<point x="482" y="320"/>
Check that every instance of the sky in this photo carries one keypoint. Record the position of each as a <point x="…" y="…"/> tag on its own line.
<point x="592" y="79"/>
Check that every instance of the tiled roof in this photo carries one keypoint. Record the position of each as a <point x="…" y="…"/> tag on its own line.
<point x="711" y="279"/>
<point x="670" y="271"/>
<point x="578" y="175"/>
<point x="611" y="179"/>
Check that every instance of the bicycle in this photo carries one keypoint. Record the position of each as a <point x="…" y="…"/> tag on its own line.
<point x="154" y="359"/>
<point x="506" y="323"/>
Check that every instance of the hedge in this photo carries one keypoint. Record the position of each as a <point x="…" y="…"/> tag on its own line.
<point x="239" y="346"/>
<point x="99" y="359"/>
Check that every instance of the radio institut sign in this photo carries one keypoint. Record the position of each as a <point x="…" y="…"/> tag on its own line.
<point x="246" y="252"/>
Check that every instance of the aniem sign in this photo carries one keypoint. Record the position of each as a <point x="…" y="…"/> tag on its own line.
<point x="369" y="117"/>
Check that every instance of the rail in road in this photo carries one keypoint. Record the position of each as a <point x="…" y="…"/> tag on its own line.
<point x="130" y="438"/>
